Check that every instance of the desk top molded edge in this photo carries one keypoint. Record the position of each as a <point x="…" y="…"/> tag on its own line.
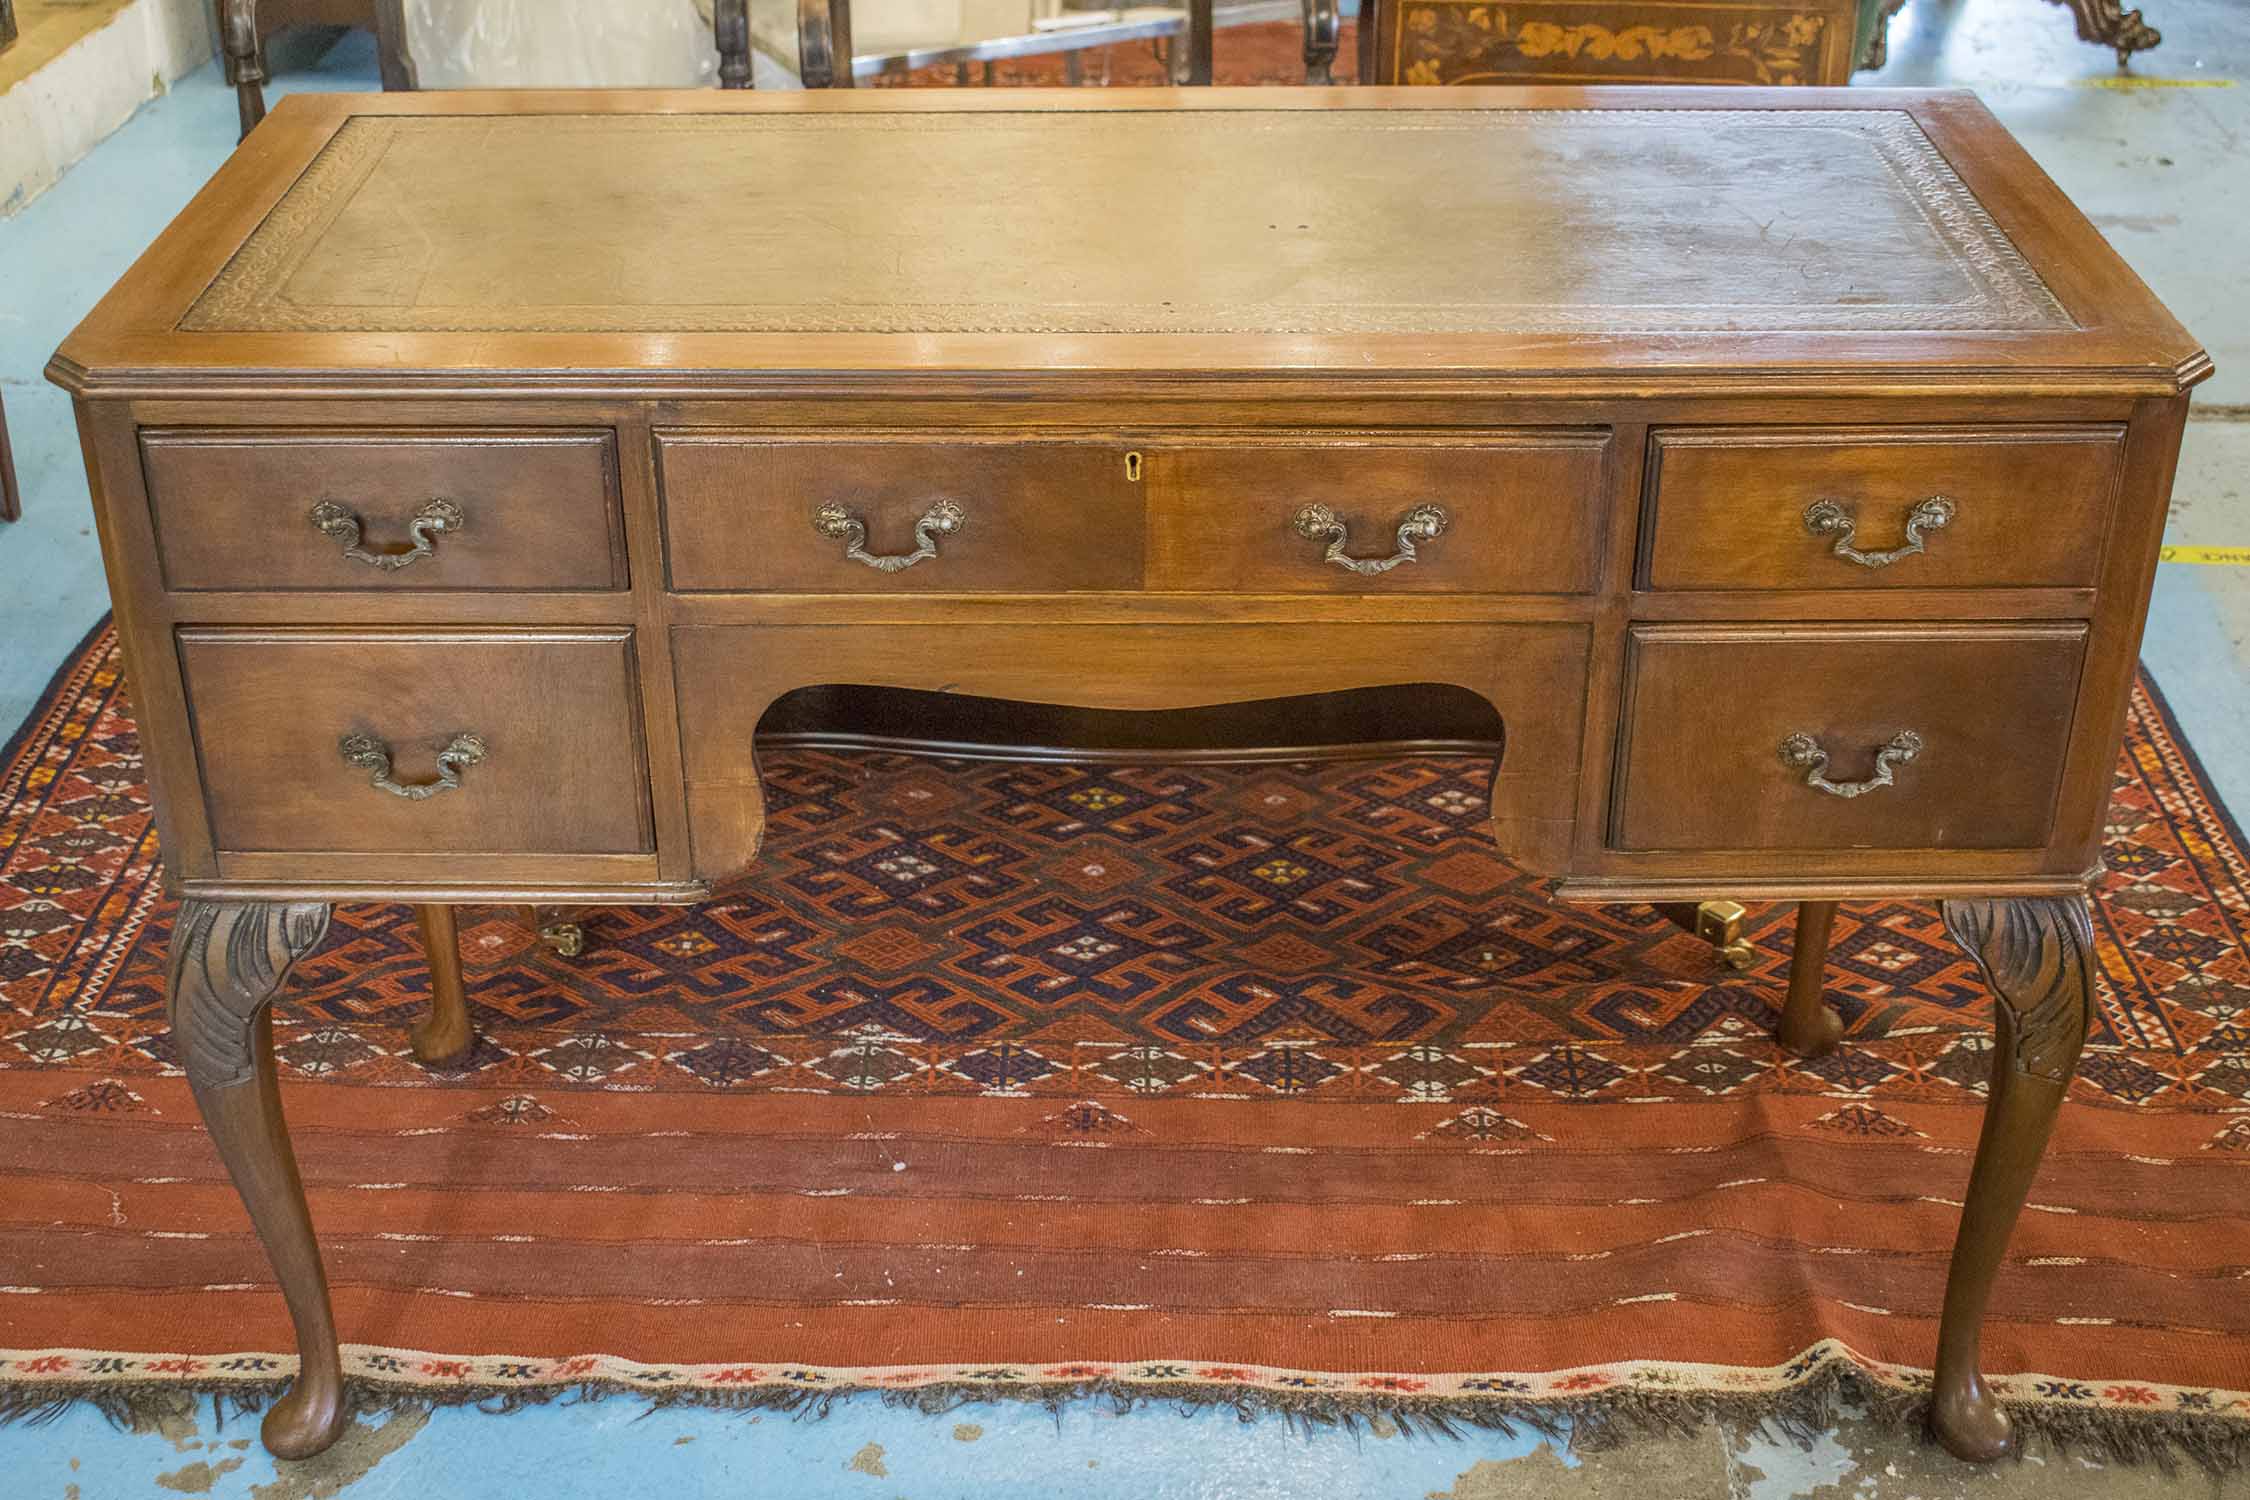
<point x="2125" y="341"/>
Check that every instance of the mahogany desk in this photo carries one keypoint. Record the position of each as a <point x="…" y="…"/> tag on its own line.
<point x="1785" y="468"/>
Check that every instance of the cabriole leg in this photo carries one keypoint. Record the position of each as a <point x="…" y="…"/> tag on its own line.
<point x="2037" y="955"/>
<point x="1810" y="1026"/>
<point x="228" y="960"/>
<point x="444" y="1035"/>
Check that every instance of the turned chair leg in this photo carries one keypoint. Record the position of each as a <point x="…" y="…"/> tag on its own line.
<point x="245" y="60"/>
<point x="2037" y="956"/>
<point x="1810" y="1026"/>
<point x="228" y="960"/>
<point x="730" y="29"/>
<point x="444" y="1036"/>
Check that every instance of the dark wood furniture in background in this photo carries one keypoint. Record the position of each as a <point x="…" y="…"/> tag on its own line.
<point x="7" y="24"/>
<point x="1796" y="524"/>
<point x="11" y="499"/>
<point x="244" y="26"/>
<point x="1613" y="41"/>
<point x="1626" y="41"/>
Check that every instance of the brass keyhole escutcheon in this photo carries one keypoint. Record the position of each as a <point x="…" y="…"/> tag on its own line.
<point x="1132" y="468"/>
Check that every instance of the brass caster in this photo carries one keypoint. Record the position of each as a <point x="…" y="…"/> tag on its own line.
<point x="1719" y="923"/>
<point x="565" y="938"/>
<point x="553" y="926"/>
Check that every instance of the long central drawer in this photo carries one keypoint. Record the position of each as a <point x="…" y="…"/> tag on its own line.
<point x="1500" y="512"/>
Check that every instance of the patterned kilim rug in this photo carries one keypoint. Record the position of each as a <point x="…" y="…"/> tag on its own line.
<point x="1270" y="1085"/>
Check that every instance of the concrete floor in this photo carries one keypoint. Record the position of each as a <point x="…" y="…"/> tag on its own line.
<point x="2156" y="158"/>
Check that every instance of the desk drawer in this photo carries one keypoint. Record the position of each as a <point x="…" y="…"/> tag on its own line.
<point x="553" y="764"/>
<point x="1726" y="729"/>
<point x="1988" y="507"/>
<point x="235" y="509"/>
<point x="1514" y="514"/>
<point x="765" y="514"/>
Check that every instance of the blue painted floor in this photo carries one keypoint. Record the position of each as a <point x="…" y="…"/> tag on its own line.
<point x="2159" y="167"/>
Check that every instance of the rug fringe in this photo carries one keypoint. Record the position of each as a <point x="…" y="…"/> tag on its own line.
<point x="1599" y="1421"/>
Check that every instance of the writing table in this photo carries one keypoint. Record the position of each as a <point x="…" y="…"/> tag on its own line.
<point x="1786" y="469"/>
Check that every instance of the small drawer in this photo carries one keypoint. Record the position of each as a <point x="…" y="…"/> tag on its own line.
<point x="1835" y="739"/>
<point x="411" y="511"/>
<point x="755" y="513"/>
<point x="1851" y="508"/>
<point x="1505" y="513"/>
<point x="538" y="731"/>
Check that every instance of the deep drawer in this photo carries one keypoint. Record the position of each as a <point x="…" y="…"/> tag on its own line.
<point x="238" y="509"/>
<point x="1514" y="513"/>
<point x="556" y="764"/>
<point x="1950" y="507"/>
<point x="1727" y="729"/>
<point x="759" y="514"/>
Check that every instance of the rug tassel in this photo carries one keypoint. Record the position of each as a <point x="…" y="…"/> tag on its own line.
<point x="1597" y="1422"/>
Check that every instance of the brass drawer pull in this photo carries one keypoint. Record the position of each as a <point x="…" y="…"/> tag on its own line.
<point x="1424" y="523"/>
<point x="430" y="522"/>
<point x="1827" y="518"/>
<point x="374" y="757"/>
<point x="1802" y="752"/>
<point x="941" y="519"/>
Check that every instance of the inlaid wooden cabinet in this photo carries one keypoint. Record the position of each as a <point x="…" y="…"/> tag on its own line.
<point x="1785" y="471"/>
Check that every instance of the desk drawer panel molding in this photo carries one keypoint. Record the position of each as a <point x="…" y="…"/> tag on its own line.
<point x="1841" y="508"/>
<point x="1841" y="738"/>
<point x="1502" y="514"/>
<point x="757" y="514"/>
<point x="420" y="511"/>
<point x="429" y="741"/>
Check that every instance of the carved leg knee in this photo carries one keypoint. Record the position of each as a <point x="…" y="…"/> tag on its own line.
<point x="2037" y="955"/>
<point x="1810" y="1026"/>
<point x="228" y="960"/>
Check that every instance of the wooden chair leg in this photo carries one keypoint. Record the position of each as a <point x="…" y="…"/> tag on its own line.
<point x="1324" y="32"/>
<point x="245" y="60"/>
<point x="392" y="59"/>
<point x="11" y="500"/>
<point x="1810" y="1026"/>
<point x="1199" y="42"/>
<point x="730" y="29"/>
<point x="444" y="1036"/>
<point x="824" y="44"/>
<point x="228" y="960"/>
<point x="2037" y="956"/>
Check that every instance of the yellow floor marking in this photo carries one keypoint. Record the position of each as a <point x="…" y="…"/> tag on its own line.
<point x="2226" y="557"/>
<point x="2135" y="81"/>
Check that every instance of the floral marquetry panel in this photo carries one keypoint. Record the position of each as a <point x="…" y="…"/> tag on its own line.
<point x="1614" y="41"/>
